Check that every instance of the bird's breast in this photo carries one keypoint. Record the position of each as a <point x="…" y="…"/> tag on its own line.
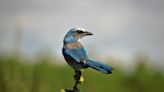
<point x="73" y="45"/>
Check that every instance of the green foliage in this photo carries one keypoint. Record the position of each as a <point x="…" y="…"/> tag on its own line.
<point x="43" y="76"/>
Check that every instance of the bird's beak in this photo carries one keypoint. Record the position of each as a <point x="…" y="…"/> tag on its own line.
<point x="88" y="33"/>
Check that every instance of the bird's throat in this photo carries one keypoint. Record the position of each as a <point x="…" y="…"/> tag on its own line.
<point x="73" y="45"/>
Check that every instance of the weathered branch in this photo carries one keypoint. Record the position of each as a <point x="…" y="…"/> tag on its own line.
<point x="74" y="89"/>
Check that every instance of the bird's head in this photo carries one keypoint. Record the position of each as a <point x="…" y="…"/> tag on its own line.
<point x="75" y="34"/>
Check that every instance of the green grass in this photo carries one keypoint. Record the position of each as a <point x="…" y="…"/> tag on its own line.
<point x="43" y="76"/>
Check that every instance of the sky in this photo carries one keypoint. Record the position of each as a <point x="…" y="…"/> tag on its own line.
<point x="122" y="28"/>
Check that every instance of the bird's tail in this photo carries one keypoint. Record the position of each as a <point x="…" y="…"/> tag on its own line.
<point x="99" y="66"/>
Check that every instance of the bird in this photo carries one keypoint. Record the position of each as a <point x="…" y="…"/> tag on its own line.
<point x="77" y="57"/>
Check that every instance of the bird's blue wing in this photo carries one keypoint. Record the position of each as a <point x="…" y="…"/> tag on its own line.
<point x="78" y="54"/>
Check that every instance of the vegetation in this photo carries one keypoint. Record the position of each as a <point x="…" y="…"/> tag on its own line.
<point x="42" y="76"/>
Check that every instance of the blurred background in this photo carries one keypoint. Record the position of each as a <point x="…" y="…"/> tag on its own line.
<point x="128" y="35"/>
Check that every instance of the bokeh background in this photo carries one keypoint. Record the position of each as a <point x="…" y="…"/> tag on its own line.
<point x="128" y="35"/>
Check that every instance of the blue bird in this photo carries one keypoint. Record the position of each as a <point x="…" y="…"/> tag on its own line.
<point x="77" y="56"/>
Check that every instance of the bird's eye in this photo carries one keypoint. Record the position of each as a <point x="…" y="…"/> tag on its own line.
<point x="79" y="31"/>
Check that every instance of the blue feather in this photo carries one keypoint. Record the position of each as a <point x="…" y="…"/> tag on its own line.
<point x="99" y="66"/>
<point x="77" y="54"/>
<point x="70" y="39"/>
